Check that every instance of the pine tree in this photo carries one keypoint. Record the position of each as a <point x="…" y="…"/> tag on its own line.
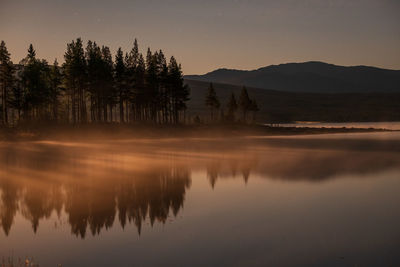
<point x="34" y="84"/>
<point x="132" y="90"/>
<point x="139" y="93"/>
<point x="81" y="79"/>
<point x="232" y="107"/>
<point x="244" y="103"/>
<point x="107" y="80"/>
<point x="151" y="85"/>
<point x="133" y="56"/>
<point x="120" y="82"/>
<point x="178" y="92"/>
<point x="55" y="89"/>
<point x="44" y="95"/>
<point x="254" y="108"/>
<point x="164" y="94"/>
<point x="6" y="80"/>
<point x="212" y="101"/>
<point x="31" y="53"/>
<point x="76" y="71"/>
<point x="18" y="97"/>
<point x="96" y="89"/>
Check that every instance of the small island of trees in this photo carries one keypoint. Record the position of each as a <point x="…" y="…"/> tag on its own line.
<point x="244" y="105"/>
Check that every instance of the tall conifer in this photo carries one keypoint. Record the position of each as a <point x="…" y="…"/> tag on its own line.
<point x="212" y="101"/>
<point x="6" y="80"/>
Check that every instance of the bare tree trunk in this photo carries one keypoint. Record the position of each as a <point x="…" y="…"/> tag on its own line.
<point x="105" y="112"/>
<point x="73" y="107"/>
<point x="121" y="109"/>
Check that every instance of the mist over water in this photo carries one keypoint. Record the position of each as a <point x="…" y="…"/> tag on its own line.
<point x="327" y="200"/>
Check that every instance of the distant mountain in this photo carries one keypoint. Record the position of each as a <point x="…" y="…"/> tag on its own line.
<point x="313" y="77"/>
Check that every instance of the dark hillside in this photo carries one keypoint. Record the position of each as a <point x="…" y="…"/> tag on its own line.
<point x="290" y="106"/>
<point x="315" y="77"/>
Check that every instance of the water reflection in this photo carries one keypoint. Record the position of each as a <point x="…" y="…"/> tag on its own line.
<point x="37" y="179"/>
<point x="97" y="184"/>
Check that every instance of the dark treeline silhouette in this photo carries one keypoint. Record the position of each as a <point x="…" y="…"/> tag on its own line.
<point x="92" y="87"/>
<point x="228" y="112"/>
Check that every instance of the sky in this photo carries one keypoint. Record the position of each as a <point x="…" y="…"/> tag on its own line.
<point x="208" y="34"/>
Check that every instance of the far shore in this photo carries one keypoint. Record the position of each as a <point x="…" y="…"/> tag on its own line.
<point x="111" y="131"/>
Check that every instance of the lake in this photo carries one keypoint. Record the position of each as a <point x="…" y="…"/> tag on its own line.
<point x="318" y="200"/>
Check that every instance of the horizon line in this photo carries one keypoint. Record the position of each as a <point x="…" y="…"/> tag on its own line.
<point x="292" y="62"/>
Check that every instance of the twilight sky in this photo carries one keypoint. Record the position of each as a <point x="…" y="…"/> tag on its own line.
<point x="209" y="34"/>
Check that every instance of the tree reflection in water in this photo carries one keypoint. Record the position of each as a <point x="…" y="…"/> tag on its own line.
<point x="97" y="184"/>
<point x="92" y="190"/>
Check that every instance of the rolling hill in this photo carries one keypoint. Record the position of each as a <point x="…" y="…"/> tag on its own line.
<point x="310" y="77"/>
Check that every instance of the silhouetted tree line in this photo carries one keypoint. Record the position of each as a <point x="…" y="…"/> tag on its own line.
<point x="244" y="105"/>
<point x="92" y="87"/>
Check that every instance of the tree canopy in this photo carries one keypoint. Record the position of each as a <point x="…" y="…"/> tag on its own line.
<point x="92" y="87"/>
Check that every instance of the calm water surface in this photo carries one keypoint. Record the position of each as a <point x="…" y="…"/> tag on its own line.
<point x="327" y="200"/>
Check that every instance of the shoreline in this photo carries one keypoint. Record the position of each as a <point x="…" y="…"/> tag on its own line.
<point x="117" y="131"/>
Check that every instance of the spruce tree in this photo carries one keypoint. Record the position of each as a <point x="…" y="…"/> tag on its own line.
<point x="244" y="103"/>
<point x="76" y="70"/>
<point x="120" y="82"/>
<point x="107" y="80"/>
<point x="68" y="78"/>
<point x="81" y="79"/>
<point x="232" y="107"/>
<point x="95" y="71"/>
<point x="6" y="80"/>
<point x="164" y="94"/>
<point x="44" y="94"/>
<point x="34" y="84"/>
<point x="140" y="88"/>
<point x="178" y="91"/>
<point x="212" y="101"/>
<point x="133" y="56"/>
<point x="55" y="89"/>
<point x="254" y="108"/>
<point x="31" y="53"/>
<point x="151" y="85"/>
<point x="18" y="97"/>
<point x="132" y="90"/>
